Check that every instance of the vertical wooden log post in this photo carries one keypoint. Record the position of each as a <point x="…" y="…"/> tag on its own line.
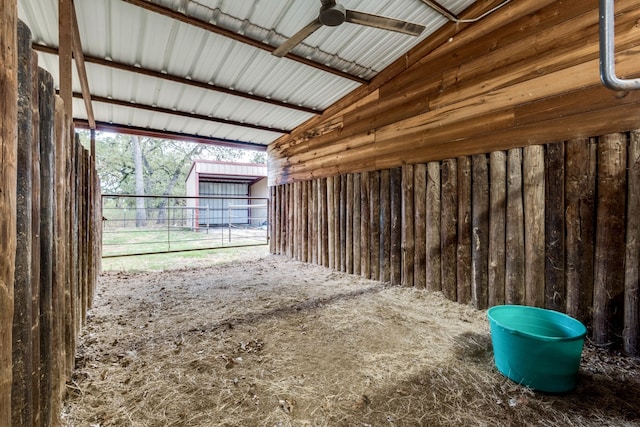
<point x="305" y="221"/>
<point x="433" y="267"/>
<point x="291" y="217"/>
<point x="554" y="288"/>
<point x="47" y="177"/>
<point x="631" y="332"/>
<point x="35" y="251"/>
<point x="325" y="224"/>
<point x="296" y="220"/>
<point x="21" y="391"/>
<point x="8" y="180"/>
<point x="514" y="269"/>
<point x="275" y="225"/>
<point x="365" y="208"/>
<point x="395" y="184"/>
<point x="331" y="237"/>
<point x="343" y="223"/>
<point x="608" y="298"/>
<point x="313" y="203"/>
<point x="374" y="224"/>
<point x="408" y="240"/>
<point x="336" y="222"/>
<point x="480" y="232"/>
<point x="420" y="221"/>
<point x="385" y="225"/>
<point x="349" y="225"/>
<point x="61" y="128"/>
<point x="580" y="222"/>
<point x="463" y="250"/>
<point x="497" y="219"/>
<point x="449" y="224"/>
<point x="357" y="254"/>
<point x="534" y="211"/>
<point x="272" y="217"/>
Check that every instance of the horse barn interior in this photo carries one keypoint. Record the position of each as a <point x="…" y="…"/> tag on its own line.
<point x="423" y="167"/>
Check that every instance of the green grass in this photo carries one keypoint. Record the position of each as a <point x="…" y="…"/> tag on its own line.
<point x="194" y="259"/>
<point x="127" y="241"/>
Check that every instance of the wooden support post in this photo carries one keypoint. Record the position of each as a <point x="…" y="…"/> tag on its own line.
<point x="35" y="250"/>
<point x="408" y="241"/>
<point x="272" y="219"/>
<point x="65" y="50"/>
<point x="449" y="224"/>
<point x="497" y="219"/>
<point x="21" y="391"/>
<point x="324" y="221"/>
<point x="336" y="222"/>
<point x="8" y="180"/>
<point x="631" y="332"/>
<point x="580" y="187"/>
<point x="357" y="189"/>
<point x="385" y="226"/>
<point x="331" y="237"/>
<point x="58" y="273"/>
<point x="47" y="209"/>
<point x="315" y="255"/>
<point x="420" y="223"/>
<point x="463" y="250"/>
<point x="343" y="223"/>
<point x="296" y="218"/>
<point x="365" y="260"/>
<point x="291" y="220"/>
<point x="534" y="212"/>
<point x="554" y="288"/>
<point x="514" y="269"/>
<point x="305" y="221"/>
<point x="395" y="184"/>
<point x="608" y="297"/>
<point x="349" y="225"/>
<point x="433" y="267"/>
<point x="480" y="232"/>
<point x="374" y="224"/>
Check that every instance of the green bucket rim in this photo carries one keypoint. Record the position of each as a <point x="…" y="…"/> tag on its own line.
<point x="513" y="331"/>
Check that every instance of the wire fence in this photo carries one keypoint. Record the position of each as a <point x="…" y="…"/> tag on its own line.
<point x="142" y="225"/>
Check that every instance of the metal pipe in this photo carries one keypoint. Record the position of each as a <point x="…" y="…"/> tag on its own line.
<point x="452" y="17"/>
<point x="607" y="51"/>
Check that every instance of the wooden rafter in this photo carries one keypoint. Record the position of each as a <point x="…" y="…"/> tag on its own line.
<point x="65" y="35"/>
<point x="156" y="109"/>
<point x="164" y="134"/>
<point x="82" y="72"/>
<point x="177" y="79"/>
<point x="173" y="14"/>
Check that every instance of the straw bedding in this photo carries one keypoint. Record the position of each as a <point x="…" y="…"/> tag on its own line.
<point x="275" y="342"/>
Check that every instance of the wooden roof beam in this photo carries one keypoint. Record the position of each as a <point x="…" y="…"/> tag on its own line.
<point x="173" y="14"/>
<point x="65" y="38"/>
<point x="145" y="107"/>
<point x="164" y="134"/>
<point x="82" y="71"/>
<point x="177" y="79"/>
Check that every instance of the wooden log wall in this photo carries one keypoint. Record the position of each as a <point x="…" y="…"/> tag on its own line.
<point x="536" y="226"/>
<point x="49" y="228"/>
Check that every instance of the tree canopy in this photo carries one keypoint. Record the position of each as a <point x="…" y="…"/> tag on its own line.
<point x="165" y="163"/>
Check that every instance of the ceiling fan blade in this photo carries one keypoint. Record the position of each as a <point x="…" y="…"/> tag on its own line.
<point x="385" y="23"/>
<point x="285" y="47"/>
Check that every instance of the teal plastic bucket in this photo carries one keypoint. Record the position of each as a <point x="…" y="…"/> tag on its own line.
<point x="536" y="347"/>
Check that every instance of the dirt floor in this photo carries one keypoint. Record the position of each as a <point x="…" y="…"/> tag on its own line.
<point x="275" y="342"/>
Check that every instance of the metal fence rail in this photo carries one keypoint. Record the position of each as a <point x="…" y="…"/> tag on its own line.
<point x="142" y="225"/>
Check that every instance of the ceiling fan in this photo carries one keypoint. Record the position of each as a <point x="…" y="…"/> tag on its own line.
<point x="333" y="14"/>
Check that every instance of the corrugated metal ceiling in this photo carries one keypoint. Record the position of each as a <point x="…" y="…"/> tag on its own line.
<point x="128" y="34"/>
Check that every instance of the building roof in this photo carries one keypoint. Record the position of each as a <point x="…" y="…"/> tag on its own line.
<point x="203" y="69"/>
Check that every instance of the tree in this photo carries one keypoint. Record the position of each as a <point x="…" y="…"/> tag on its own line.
<point x="141" y="213"/>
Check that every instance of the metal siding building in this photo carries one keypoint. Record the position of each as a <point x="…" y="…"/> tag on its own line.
<point x="232" y="185"/>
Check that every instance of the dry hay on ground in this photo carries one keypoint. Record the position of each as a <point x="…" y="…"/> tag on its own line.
<point x="274" y="342"/>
